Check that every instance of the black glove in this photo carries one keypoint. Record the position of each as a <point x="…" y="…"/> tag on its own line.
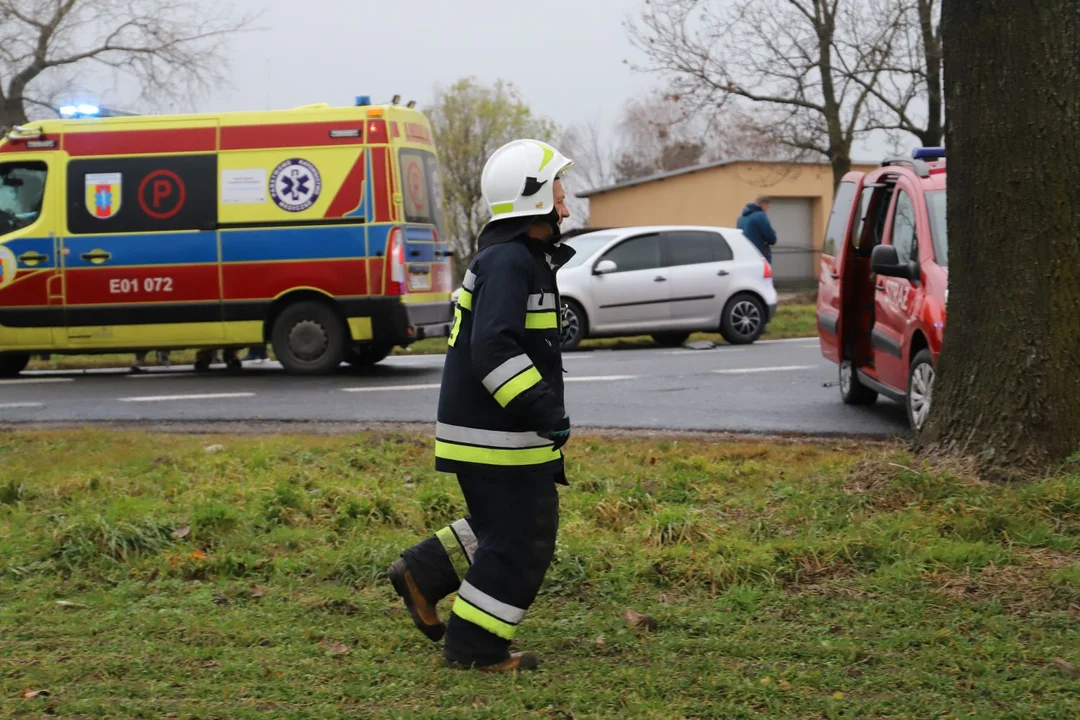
<point x="559" y="434"/>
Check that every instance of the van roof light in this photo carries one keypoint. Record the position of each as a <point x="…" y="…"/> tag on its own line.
<point x="928" y="153"/>
<point x="363" y="100"/>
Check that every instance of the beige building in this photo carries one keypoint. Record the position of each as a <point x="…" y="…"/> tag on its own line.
<point x="715" y="194"/>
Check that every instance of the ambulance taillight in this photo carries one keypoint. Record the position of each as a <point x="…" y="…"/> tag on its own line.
<point x="395" y="257"/>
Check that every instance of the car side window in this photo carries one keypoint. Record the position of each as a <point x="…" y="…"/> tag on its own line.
<point x="903" y="228"/>
<point x="838" y="220"/>
<point x="639" y="253"/>
<point x="692" y="247"/>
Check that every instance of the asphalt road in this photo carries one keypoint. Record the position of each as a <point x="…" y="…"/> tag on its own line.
<point x="770" y="387"/>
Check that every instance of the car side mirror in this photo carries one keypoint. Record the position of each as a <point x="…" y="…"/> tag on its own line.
<point x="884" y="260"/>
<point x="605" y="267"/>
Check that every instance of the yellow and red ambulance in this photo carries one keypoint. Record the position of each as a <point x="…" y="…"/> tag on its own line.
<point x="319" y="230"/>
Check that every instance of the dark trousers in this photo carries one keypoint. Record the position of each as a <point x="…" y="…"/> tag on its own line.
<point x="495" y="560"/>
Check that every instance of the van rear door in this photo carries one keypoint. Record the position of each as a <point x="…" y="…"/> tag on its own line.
<point x="834" y="256"/>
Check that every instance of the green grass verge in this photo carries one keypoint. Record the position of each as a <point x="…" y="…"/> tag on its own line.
<point x="144" y="577"/>
<point x="791" y="321"/>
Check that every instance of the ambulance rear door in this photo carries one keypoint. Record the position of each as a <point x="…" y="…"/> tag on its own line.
<point x="140" y="252"/>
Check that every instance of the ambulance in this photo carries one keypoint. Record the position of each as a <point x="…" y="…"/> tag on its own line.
<point x="318" y="230"/>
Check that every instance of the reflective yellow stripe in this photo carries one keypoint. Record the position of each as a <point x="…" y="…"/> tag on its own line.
<point x="518" y="385"/>
<point x="476" y="616"/>
<point x="454" y="551"/>
<point x="452" y="340"/>
<point x="495" y="456"/>
<point x="464" y="299"/>
<point x="542" y="321"/>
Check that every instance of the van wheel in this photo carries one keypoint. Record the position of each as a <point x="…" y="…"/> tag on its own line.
<point x="852" y="391"/>
<point x="368" y="354"/>
<point x="309" y="339"/>
<point x="743" y="320"/>
<point x="575" y="325"/>
<point x="12" y="365"/>
<point x="670" y="339"/>
<point x="920" y="389"/>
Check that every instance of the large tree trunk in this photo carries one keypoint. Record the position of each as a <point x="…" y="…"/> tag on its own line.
<point x="931" y="43"/>
<point x="1008" y="389"/>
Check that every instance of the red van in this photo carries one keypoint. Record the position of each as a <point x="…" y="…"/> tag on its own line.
<point x="883" y="284"/>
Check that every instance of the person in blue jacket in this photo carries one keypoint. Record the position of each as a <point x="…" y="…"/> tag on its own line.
<point x="502" y="422"/>
<point x="755" y="225"/>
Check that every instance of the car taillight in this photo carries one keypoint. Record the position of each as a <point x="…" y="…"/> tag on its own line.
<point x="768" y="270"/>
<point x="395" y="260"/>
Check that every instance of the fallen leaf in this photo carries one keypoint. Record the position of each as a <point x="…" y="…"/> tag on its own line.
<point x="214" y="448"/>
<point x="600" y="642"/>
<point x="766" y="680"/>
<point x="257" y="592"/>
<point x="198" y="555"/>
<point x="1067" y="668"/>
<point x="838" y="696"/>
<point x="69" y="604"/>
<point x="181" y="532"/>
<point x="636" y="619"/>
<point x="784" y="683"/>
<point x="337" y="648"/>
<point x="28" y="694"/>
<point x="211" y="664"/>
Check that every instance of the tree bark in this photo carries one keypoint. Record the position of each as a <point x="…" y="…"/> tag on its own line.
<point x="1008" y="386"/>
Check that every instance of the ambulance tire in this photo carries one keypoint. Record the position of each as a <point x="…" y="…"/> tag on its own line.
<point x="368" y="355"/>
<point x="309" y="338"/>
<point x="12" y="365"/>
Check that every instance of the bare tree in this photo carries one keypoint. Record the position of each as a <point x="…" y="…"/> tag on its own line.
<point x="909" y="97"/>
<point x="172" y="48"/>
<point x="594" y="167"/>
<point x="796" y="61"/>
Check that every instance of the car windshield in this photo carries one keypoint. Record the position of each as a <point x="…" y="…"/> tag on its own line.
<point x="935" y="206"/>
<point x="22" y="190"/>
<point x="587" y="246"/>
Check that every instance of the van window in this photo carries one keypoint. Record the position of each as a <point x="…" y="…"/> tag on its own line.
<point x="22" y="194"/>
<point x="421" y="188"/>
<point x="903" y="228"/>
<point x="838" y="221"/>
<point x="935" y="206"/>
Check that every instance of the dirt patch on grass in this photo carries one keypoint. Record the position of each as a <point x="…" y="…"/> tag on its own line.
<point x="1022" y="588"/>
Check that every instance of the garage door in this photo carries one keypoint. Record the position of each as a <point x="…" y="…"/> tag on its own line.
<point x="793" y="254"/>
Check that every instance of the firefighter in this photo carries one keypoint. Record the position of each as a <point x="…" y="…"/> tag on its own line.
<point x="501" y="422"/>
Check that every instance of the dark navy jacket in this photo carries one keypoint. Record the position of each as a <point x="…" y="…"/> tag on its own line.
<point x="502" y="380"/>
<point x="755" y="225"/>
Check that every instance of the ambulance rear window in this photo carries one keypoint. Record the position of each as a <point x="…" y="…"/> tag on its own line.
<point x="421" y="188"/>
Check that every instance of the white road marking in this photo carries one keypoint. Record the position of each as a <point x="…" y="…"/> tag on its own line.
<point x="199" y="396"/>
<point x="750" y="371"/>
<point x="700" y="352"/>
<point x="12" y="406"/>
<point x="385" y="388"/>
<point x="159" y="375"/>
<point x="601" y="378"/>
<point x="35" y="381"/>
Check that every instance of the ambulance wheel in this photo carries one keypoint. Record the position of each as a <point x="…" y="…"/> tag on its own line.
<point x="12" y="365"/>
<point x="368" y="355"/>
<point x="309" y="339"/>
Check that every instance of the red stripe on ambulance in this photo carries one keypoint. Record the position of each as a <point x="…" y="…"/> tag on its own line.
<point x="262" y="137"/>
<point x="28" y="289"/>
<point x="134" y="285"/>
<point x="349" y="196"/>
<point x="140" y="142"/>
<point x="380" y="170"/>
<point x="261" y="281"/>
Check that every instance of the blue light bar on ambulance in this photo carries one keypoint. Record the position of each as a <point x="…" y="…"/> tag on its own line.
<point x="928" y="153"/>
<point x="363" y="100"/>
<point x="83" y="110"/>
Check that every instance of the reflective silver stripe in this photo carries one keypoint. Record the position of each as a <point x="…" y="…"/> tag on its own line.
<point x="489" y="438"/>
<point x="541" y="301"/>
<point x="493" y="607"/>
<point x="509" y="369"/>
<point x="469" y="283"/>
<point x="465" y="536"/>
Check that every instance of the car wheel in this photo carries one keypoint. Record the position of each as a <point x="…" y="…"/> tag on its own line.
<point x="575" y="325"/>
<point x="853" y="392"/>
<point x="670" y="339"/>
<point x="920" y="389"/>
<point x="743" y="320"/>
<point x="368" y="355"/>
<point x="12" y="365"/>
<point x="309" y="339"/>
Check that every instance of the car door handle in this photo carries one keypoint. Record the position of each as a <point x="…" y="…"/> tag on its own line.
<point x="33" y="258"/>
<point x="96" y="256"/>
<point x="659" y="278"/>
<point x="880" y="286"/>
<point x="723" y="273"/>
<point x="834" y="275"/>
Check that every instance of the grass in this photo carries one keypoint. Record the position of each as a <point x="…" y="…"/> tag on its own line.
<point x="143" y="576"/>
<point x="791" y="321"/>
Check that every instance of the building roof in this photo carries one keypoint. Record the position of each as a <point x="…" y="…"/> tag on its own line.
<point x="707" y="166"/>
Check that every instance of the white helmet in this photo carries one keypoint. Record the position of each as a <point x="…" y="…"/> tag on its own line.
<point x="519" y="177"/>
